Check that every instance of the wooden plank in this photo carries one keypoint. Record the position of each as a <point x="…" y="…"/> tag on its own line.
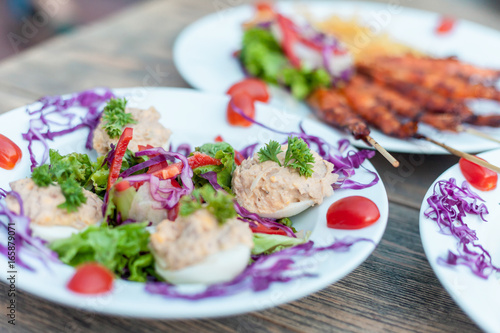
<point x="408" y="184"/>
<point x="135" y="48"/>
<point x="394" y="290"/>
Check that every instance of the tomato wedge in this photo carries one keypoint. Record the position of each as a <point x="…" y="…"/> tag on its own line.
<point x="445" y="25"/>
<point x="121" y="148"/>
<point x="354" y="212"/>
<point x="262" y="229"/>
<point x="10" y="153"/>
<point x="122" y="185"/>
<point x="91" y="278"/>
<point x="256" y="88"/>
<point x="478" y="176"/>
<point x="242" y="102"/>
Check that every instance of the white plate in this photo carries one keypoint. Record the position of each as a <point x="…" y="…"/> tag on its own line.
<point x="203" y="56"/>
<point x="479" y="298"/>
<point x="197" y="118"/>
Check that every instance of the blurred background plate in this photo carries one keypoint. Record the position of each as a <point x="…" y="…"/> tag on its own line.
<point x="203" y="54"/>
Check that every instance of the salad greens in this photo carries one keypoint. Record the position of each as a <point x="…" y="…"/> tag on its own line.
<point x="216" y="202"/>
<point x="75" y="171"/>
<point x="99" y="179"/>
<point x="225" y="153"/>
<point x="122" y="249"/>
<point x="262" y="57"/>
<point x="297" y="156"/>
<point x="115" y="118"/>
<point x="267" y="244"/>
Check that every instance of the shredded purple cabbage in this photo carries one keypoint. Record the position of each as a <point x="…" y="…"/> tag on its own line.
<point x="17" y="226"/>
<point x="267" y="222"/>
<point x="162" y="190"/>
<point x="449" y="204"/>
<point x="258" y="276"/>
<point x="211" y="176"/>
<point x="55" y="108"/>
<point x="184" y="149"/>
<point x="248" y="150"/>
<point x="343" y="165"/>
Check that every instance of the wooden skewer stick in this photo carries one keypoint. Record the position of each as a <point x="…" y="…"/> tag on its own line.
<point x="381" y="150"/>
<point x="459" y="153"/>
<point x="477" y="133"/>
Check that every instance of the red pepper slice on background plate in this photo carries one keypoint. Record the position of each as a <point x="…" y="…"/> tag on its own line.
<point x="289" y="39"/>
<point x="218" y="138"/>
<point x="446" y="24"/>
<point x="264" y="6"/>
<point x="256" y="88"/>
<point x="353" y="212"/>
<point x="91" y="278"/>
<point x="10" y="153"/>
<point x="478" y="176"/>
<point x="260" y="228"/>
<point x="243" y="102"/>
<point x="121" y="148"/>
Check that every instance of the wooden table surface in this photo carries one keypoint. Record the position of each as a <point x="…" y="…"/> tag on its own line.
<point x="393" y="290"/>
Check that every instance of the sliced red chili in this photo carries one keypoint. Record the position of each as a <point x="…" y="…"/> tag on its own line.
<point x="262" y="229"/>
<point x="167" y="171"/>
<point x="121" y="148"/>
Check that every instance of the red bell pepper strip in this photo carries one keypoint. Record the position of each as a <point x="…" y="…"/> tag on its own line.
<point x="166" y="171"/>
<point x="121" y="148"/>
<point x="261" y="229"/>
<point x="238" y="157"/>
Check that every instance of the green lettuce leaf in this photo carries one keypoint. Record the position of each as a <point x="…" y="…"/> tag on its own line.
<point x="224" y="152"/>
<point x="118" y="248"/>
<point x="267" y="244"/>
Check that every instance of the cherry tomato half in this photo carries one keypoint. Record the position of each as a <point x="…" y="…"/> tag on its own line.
<point x="256" y="88"/>
<point x="10" y="153"/>
<point x="354" y="212"/>
<point x="478" y="176"/>
<point x="244" y="103"/>
<point x="91" y="278"/>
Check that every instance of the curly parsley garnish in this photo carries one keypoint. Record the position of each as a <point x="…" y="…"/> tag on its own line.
<point x="217" y="203"/>
<point x="71" y="172"/>
<point x="73" y="193"/>
<point x="297" y="156"/>
<point x="115" y="117"/>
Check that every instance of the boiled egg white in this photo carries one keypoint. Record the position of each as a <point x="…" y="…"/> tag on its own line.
<point x="290" y="210"/>
<point x="52" y="233"/>
<point x="219" y="267"/>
